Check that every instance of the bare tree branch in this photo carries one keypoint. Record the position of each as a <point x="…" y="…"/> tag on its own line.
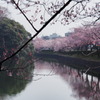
<point x="98" y="19"/>
<point x="89" y="53"/>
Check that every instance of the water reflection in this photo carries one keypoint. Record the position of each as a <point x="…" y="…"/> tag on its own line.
<point x="15" y="75"/>
<point x="10" y="86"/>
<point x="83" y="85"/>
<point x="54" y="81"/>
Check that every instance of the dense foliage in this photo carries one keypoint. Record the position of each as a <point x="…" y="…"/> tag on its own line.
<point x="11" y="85"/>
<point x="17" y="71"/>
<point x="12" y="36"/>
<point x="82" y="39"/>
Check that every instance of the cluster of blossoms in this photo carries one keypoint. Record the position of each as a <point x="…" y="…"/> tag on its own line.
<point x="80" y="38"/>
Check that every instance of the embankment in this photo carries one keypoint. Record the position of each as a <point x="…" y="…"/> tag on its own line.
<point x="91" y="67"/>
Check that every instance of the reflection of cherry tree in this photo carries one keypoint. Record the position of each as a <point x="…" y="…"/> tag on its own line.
<point x="83" y="85"/>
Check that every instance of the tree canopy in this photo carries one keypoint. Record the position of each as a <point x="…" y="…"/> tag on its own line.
<point x="12" y="36"/>
<point x="65" y="11"/>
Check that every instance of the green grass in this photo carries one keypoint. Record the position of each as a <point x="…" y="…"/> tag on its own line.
<point x="75" y="54"/>
<point x="89" y="58"/>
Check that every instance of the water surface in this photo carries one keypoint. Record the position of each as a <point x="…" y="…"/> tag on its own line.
<point x="54" y="81"/>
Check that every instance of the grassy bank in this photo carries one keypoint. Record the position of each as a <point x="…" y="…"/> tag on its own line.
<point x="76" y="54"/>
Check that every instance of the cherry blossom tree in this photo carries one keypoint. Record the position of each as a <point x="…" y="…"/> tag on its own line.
<point x="3" y="12"/>
<point x="17" y="5"/>
<point x="80" y="40"/>
<point x="45" y="12"/>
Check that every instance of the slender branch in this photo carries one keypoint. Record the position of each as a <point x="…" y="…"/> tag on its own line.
<point x="98" y="19"/>
<point x="89" y="53"/>
<point x="87" y="70"/>
<point x="24" y="15"/>
<point x="91" y="68"/>
<point x="66" y="4"/>
<point x="96" y="35"/>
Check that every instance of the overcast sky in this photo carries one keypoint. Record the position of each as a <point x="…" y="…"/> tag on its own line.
<point x="56" y="28"/>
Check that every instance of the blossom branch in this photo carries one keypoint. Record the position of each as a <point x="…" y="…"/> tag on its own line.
<point x="38" y="31"/>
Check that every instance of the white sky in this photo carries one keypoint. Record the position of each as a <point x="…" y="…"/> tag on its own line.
<point x="56" y="28"/>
